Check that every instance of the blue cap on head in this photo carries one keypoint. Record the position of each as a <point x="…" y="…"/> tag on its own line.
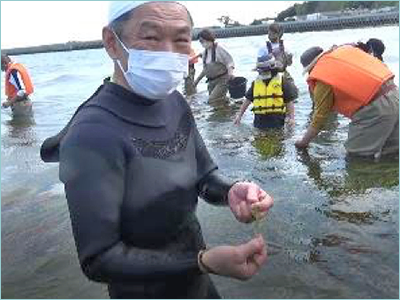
<point x="268" y="63"/>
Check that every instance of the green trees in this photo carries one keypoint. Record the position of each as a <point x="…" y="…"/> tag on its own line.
<point x="311" y="7"/>
<point x="228" y="22"/>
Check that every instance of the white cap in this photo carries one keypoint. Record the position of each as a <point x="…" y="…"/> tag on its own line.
<point x="118" y="8"/>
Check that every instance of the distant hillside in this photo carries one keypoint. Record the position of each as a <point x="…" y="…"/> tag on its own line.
<point x="310" y="7"/>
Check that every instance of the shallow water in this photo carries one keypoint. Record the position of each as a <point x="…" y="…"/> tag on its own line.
<point x="332" y="233"/>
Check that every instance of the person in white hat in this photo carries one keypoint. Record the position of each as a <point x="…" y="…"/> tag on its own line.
<point x="133" y="164"/>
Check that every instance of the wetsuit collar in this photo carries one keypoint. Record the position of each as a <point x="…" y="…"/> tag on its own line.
<point x="132" y="107"/>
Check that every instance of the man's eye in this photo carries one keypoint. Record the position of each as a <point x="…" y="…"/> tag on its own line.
<point x="150" y="38"/>
<point x="182" y="40"/>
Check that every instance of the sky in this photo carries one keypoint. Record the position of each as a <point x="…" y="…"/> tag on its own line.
<point x="31" y="23"/>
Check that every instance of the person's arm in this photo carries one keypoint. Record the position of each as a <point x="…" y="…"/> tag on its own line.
<point x="240" y="196"/>
<point x="309" y="135"/>
<point x="245" y="260"/>
<point x="6" y="104"/>
<point x="290" y="94"/>
<point x="92" y="168"/>
<point x="288" y="58"/>
<point x="240" y="262"/>
<point x="323" y="103"/>
<point x="200" y="77"/>
<point x="214" y="188"/>
<point x="290" y="115"/>
<point x="193" y="59"/>
<point x="21" y="95"/>
<point x="211" y="186"/>
<point x="245" y="105"/>
<point x="262" y="53"/>
<point x="241" y="112"/>
<point x="203" y="72"/>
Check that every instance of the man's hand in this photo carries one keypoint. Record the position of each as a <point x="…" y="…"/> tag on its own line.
<point x="243" y="197"/>
<point x="240" y="262"/>
<point x="237" y="121"/>
<point x="301" y="144"/>
<point x="289" y="59"/>
<point x="291" y="122"/>
<point x="310" y="134"/>
<point x="6" y="104"/>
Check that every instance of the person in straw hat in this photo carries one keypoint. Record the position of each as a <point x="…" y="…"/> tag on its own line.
<point x="353" y="83"/>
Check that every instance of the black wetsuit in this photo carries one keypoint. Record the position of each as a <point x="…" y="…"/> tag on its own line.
<point x="133" y="170"/>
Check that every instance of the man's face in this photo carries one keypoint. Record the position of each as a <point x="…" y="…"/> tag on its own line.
<point x="158" y="26"/>
<point x="273" y="36"/>
<point x="205" y="44"/>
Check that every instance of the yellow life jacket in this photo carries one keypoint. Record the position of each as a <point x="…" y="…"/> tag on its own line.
<point x="269" y="99"/>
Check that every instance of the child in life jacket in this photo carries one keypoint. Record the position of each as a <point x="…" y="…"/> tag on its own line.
<point x="272" y="97"/>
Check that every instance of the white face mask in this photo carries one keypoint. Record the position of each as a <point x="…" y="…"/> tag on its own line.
<point x="154" y="74"/>
<point x="264" y="76"/>
<point x="206" y="45"/>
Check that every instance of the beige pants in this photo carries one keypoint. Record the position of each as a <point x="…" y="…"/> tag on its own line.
<point x="217" y="89"/>
<point x="374" y="130"/>
<point x="22" y="108"/>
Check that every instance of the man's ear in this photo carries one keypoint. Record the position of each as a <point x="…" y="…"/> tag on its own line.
<point x="110" y="42"/>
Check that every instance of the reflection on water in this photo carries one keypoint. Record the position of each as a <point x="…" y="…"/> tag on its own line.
<point x="222" y="111"/>
<point x="269" y="144"/>
<point x="21" y="130"/>
<point x="360" y="174"/>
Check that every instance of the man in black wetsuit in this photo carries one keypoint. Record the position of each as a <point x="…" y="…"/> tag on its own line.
<point x="134" y="164"/>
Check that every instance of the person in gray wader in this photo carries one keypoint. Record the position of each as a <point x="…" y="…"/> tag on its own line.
<point x="18" y="87"/>
<point x="218" y="66"/>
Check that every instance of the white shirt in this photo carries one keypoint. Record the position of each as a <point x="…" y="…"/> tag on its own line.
<point x="16" y="81"/>
<point x="222" y="56"/>
<point x="263" y="51"/>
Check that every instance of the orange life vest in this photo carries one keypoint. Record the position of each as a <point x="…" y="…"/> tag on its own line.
<point x="10" y="89"/>
<point x="355" y="77"/>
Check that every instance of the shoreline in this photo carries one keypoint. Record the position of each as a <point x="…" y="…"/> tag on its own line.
<point x="368" y="20"/>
